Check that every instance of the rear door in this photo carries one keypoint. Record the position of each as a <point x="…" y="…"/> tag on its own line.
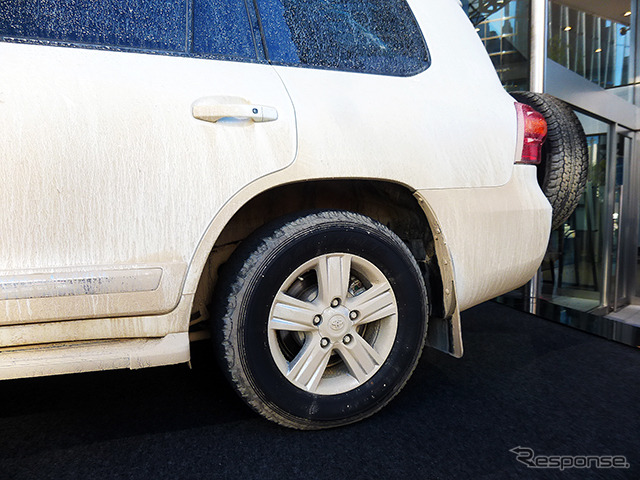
<point x="124" y="127"/>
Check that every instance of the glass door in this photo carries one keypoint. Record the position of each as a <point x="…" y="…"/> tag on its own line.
<point x="630" y="255"/>
<point x="621" y="227"/>
<point x="592" y="263"/>
<point x="623" y="198"/>
<point x="573" y="267"/>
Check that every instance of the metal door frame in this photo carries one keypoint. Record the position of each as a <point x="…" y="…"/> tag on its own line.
<point x="618" y="282"/>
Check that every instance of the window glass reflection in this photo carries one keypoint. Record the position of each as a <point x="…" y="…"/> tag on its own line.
<point x="372" y="36"/>
<point x="503" y="26"/>
<point x="596" y="46"/>
<point x="148" y="24"/>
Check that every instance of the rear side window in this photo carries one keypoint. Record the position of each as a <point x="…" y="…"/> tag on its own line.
<point x="206" y="27"/>
<point x="222" y="27"/>
<point x="372" y="36"/>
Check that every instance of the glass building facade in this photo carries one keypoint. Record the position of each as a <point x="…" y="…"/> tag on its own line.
<point x="591" y="61"/>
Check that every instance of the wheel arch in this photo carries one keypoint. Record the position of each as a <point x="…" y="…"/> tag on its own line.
<point x="392" y="204"/>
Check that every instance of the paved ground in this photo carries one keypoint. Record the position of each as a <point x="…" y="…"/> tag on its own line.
<point x="522" y="382"/>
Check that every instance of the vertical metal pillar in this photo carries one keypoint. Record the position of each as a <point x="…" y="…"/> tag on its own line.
<point x="634" y="219"/>
<point x="607" y="219"/>
<point x="565" y="35"/>
<point x="635" y="50"/>
<point x="538" y="40"/>
<point x="538" y="58"/>
<point x="609" y="53"/>
<point x="598" y="51"/>
<point x="634" y="284"/>
<point x="581" y="58"/>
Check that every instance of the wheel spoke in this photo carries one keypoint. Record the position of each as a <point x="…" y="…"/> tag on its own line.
<point x="360" y="357"/>
<point x="374" y="304"/>
<point x="333" y="273"/>
<point x="292" y="314"/>
<point x="309" y="365"/>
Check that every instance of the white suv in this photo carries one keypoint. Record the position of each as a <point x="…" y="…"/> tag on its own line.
<point x="310" y="180"/>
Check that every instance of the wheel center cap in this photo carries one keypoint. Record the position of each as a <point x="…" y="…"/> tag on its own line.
<point x="337" y="323"/>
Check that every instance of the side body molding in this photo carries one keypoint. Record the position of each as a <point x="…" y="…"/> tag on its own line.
<point x="89" y="292"/>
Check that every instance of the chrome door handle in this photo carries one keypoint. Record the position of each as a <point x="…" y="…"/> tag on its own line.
<point x="213" y="109"/>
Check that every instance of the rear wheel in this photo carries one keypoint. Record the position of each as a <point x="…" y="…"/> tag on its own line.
<point x="324" y="319"/>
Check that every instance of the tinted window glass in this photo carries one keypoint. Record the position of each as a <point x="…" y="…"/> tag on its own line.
<point x="122" y="23"/>
<point x="222" y="27"/>
<point x="374" y="36"/>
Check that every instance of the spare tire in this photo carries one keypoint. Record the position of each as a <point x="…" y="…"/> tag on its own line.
<point x="562" y="173"/>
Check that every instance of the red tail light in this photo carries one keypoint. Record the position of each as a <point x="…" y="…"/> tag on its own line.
<point x="534" y="128"/>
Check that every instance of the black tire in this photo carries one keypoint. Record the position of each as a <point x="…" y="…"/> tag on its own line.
<point x="562" y="174"/>
<point x="259" y="357"/>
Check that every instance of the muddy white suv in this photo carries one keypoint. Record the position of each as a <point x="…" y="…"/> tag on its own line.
<point x="312" y="181"/>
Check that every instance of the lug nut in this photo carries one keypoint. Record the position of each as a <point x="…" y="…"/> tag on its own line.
<point x="353" y="315"/>
<point x="335" y="302"/>
<point x="324" y="343"/>
<point x="317" y="320"/>
<point x="347" y="339"/>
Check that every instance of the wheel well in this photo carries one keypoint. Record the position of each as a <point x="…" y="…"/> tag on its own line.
<point x="390" y="204"/>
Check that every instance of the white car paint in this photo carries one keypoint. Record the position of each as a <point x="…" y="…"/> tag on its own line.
<point x="94" y="177"/>
<point x="118" y="168"/>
